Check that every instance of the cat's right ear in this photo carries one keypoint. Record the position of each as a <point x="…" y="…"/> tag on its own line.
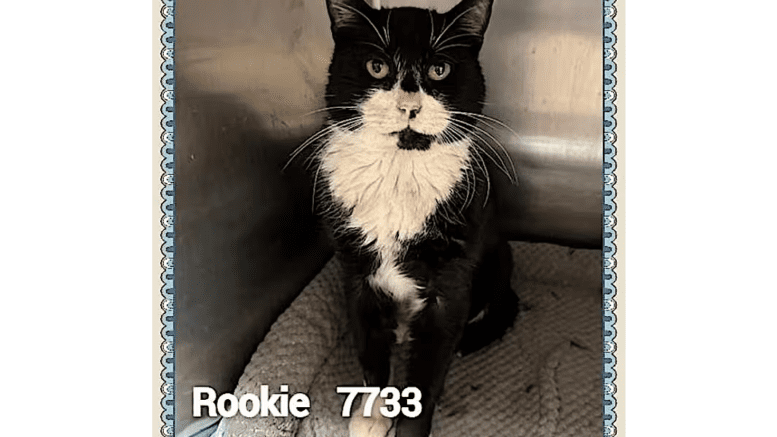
<point x="471" y="16"/>
<point x="347" y="13"/>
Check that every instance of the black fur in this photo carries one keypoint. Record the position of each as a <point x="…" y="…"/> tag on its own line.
<point x="412" y="140"/>
<point x="460" y="260"/>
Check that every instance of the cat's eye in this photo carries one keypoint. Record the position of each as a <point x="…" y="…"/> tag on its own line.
<point x="377" y="68"/>
<point x="439" y="71"/>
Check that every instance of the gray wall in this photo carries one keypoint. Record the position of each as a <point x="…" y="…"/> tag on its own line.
<point x="248" y="70"/>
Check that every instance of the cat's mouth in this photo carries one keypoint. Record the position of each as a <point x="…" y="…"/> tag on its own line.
<point x="412" y="140"/>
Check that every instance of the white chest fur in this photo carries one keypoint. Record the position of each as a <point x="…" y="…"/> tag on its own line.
<point x="391" y="192"/>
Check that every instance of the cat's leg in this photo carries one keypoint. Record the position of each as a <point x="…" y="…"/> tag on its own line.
<point x="436" y="332"/>
<point x="371" y="317"/>
<point x="499" y="302"/>
<point x="373" y="334"/>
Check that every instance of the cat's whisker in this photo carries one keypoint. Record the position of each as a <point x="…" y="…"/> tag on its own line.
<point x="315" y="181"/>
<point x="367" y="43"/>
<point x="304" y="145"/>
<point x="485" y="150"/>
<point x="451" y="24"/>
<point x="353" y="123"/>
<point x="477" y="149"/>
<point x="501" y="147"/>
<point x="386" y="28"/>
<point x="317" y="155"/>
<point x="484" y="147"/>
<point x="501" y="164"/>
<point x="492" y="123"/>
<point x="468" y="171"/>
<point x="444" y="56"/>
<point x="482" y="164"/>
<point x="470" y="181"/>
<point x="308" y="142"/>
<point x="329" y="108"/>
<point x="450" y="46"/>
<point x="461" y="131"/>
<point x="321" y="155"/>
<point x="342" y="6"/>
<point x="473" y="186"/>
<point x="487" y="118"/>
<point x="459" y="35"/>
<point x="323" y="151"/>
<point x="431" y="33"/>
<point x="349" y="122"/>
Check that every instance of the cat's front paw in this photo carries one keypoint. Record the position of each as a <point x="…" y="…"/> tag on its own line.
<point x="374" y="426"/>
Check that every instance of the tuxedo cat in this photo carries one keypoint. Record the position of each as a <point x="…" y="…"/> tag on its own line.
<point x="402" y="180"/>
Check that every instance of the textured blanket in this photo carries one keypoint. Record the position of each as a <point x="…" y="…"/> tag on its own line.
<point x="542" y="379"/>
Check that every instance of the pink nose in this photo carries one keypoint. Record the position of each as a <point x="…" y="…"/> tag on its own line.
<point x="409" y="108"/>
<point x="409" y="104"/>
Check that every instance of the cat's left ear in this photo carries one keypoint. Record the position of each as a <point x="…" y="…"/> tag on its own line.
<point x="348" y="13"/>
<point x="471" y="16"/>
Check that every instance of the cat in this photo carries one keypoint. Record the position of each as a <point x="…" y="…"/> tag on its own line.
<point x="402" y="179"/>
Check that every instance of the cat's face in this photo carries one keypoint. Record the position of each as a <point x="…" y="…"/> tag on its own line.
<point x="406" y="72"/>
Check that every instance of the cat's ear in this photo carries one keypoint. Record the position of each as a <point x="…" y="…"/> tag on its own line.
<point x="347" y="13"/>
<point x="471" y="16"/>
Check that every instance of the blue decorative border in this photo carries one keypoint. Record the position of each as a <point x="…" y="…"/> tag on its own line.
<point x="608" y="225"/>
<point x="168" y="218"/>
<point x="168" y="210"/>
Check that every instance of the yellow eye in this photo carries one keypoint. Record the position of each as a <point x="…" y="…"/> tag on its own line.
<point x="439" y="71"/>
<point x="377" y="68"/>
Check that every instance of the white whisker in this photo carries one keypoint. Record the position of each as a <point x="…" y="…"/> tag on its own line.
<point x="353" y="124"/>
<point x="476" y="154"/>
<point x="501" y="164"/>
<point x="329" y="108"/>
<point x="460" y="35"/>
<point x="487" y="118"/>
<point x="451" y="24"/>
<point x="481" y="163"/>
<point x="469" y="194"/>
<point x="498" y="143"/>
<point x="349" y="122"/>
<point x="386" y="28"/>
<point x="431" y="32"/>
<point x="491" y="122"/>
<point x="373" y="45"/>
<point x="451" y="45"/>
<point x="315" y="181"/>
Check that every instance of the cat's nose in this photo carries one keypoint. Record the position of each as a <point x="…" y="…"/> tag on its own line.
<point x="409" y="106"/>
<point x="410" y="110"/>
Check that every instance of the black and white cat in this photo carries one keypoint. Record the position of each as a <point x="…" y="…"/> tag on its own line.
<point x="402" y="176"/>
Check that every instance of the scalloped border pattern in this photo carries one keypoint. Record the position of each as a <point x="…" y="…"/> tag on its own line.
<point x="608" y="225"/>
<point x="168" y="211"/>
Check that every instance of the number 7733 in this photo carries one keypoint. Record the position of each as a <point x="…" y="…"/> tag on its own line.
<point x="391" y="398"/>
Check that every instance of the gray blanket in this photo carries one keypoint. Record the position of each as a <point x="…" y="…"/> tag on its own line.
<point x="542" y="379"/>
